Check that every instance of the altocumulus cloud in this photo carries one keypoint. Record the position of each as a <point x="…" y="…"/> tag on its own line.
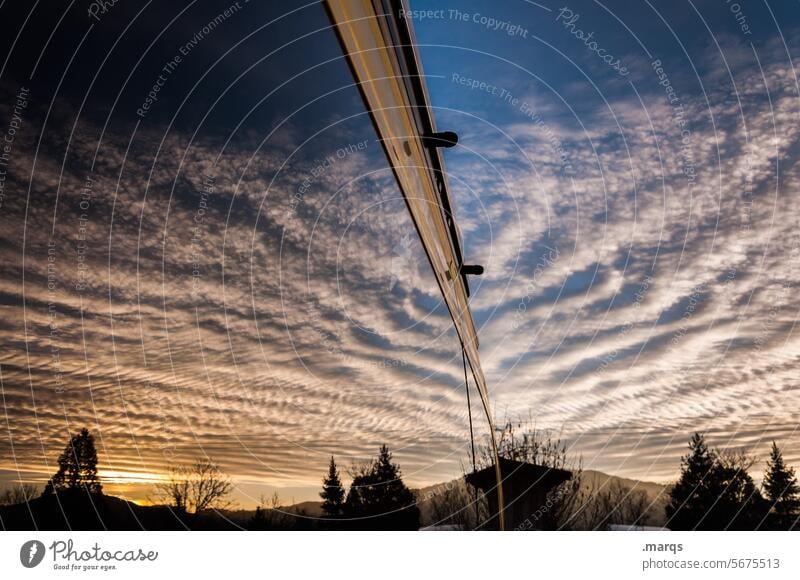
<point x="194" y="303"/>
<point x="640" y="242"/>
<point x="258" y="299"/>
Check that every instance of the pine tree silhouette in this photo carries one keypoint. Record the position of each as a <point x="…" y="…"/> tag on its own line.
<point x="738" y="503"/>
<point x="379" y="498"/>
<point x="715" y="492"/>
<point x="77" y="466"/>
<point x="690" y="497"/>
<point x="782" y="491"/>
<point x="332" y="492"/>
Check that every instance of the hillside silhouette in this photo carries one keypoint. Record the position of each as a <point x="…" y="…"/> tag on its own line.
<point x="714" y="491"/>
<point x="78" y="510"/>
<point x="81" y="510"/>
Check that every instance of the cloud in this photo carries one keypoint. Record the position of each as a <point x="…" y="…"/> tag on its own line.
<point x="260" y="300"/>
<point x="197" y="306"/>
<point x="652" y="285"/>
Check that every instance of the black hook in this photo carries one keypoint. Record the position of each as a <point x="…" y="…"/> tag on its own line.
<point x="443" y="139"/>
<point x="471" y="269"/>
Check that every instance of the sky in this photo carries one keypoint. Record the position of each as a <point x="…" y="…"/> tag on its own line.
<point x="205" y="254"/>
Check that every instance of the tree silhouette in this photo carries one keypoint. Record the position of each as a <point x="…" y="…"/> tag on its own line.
<point x="195" y="488"/>
<point x="738" y="504"/>
<point x="782" y="491"/>
<point x="77" y="466"/>
<point x="520" y="440"/>
<point x="332" y="492"/>
<point x="451" y="504"/>
<point x="613" y="503"/>
<point x="19" y="493"/>
<point x="715" y="492"/>
<point x="379" y="498"/>
<point x="270" y="516"/>
<point x="690" y="497"/>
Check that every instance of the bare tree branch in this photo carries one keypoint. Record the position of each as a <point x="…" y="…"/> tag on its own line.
<point x="19" y="493"/>
<point x="196" y="488"/>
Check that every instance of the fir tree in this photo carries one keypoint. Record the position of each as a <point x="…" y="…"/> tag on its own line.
<point x="332" y="492"/>
<point x="380" y="499"/>
<point x="715" y="492"/>
<point x="738" y="504"/>
<point x="77" y="466"/>
<point x="782" y="491"/>
<point x="690" y="497"/>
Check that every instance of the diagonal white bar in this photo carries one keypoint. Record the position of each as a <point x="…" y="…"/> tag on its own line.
<point x="379" y="44"/>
